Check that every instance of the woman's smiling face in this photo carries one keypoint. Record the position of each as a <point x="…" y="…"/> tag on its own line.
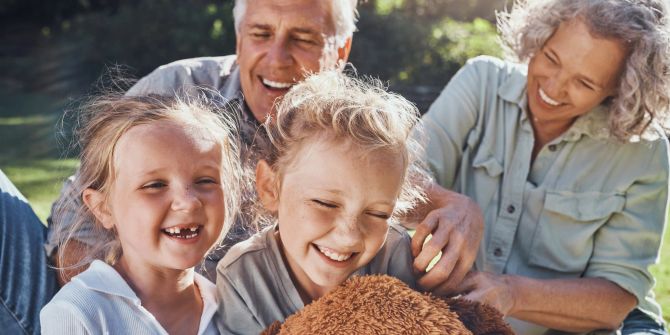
<point x="333" y="206"/>
<point x="574" y="72"/>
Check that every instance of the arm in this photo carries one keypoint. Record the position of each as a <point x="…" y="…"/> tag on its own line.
<point x="574" y="305"/>
<point x="235" y="317"/>
<point x="615" y="280"/>
<point x="58" y="318"/>
<point x="454" y="220"/>
<point x="398" y="242"/>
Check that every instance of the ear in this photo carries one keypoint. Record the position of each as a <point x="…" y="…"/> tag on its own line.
<point x="267" y="186"/>
<point x="343" y="51"/>
<point x="238" y="41"/>
<point x="95" y="201"/>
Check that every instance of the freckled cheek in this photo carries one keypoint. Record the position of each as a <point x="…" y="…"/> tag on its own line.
<point x="377" y="235"/>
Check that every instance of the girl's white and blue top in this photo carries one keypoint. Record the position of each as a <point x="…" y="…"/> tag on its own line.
<point x="99" y="301"/>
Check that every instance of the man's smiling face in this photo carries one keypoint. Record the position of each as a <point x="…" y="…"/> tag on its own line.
<point x="278" y="43"/>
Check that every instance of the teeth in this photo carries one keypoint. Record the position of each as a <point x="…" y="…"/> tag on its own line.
<point x="182" y="232"/>
<point x="547" y="99"/>
<point x="334" y="255"/>
<point x="276" y="84"/>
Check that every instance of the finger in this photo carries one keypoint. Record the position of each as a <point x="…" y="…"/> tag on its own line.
<point x="422" y="231"/>
<point x="461" y="266"/>
<point x="474" y="296"/>
<point x="434" y="246"/>
<point x="450" y="287"/>
<point x="430" y="250"/>
<point x="441" y="272"/>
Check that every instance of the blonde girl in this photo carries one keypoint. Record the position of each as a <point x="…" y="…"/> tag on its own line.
<point x="336" y="180"/>
<point x="159" y="176"/>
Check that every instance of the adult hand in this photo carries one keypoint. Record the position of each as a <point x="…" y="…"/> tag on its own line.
<point x="456" y="224"/>
<point x="491" y="289"/>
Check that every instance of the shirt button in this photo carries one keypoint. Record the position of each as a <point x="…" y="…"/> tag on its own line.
<point x="511" y="209"/>
<point x="552" y="147"/>
<point x="497" y="252"/>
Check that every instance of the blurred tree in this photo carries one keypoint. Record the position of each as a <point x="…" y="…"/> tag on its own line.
<point x="410" y="43"/>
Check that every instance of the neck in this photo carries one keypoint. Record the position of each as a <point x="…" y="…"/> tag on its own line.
<point x="169" y="295"/>
<point x="308" y="290"/>
<point x="546" y="131"/>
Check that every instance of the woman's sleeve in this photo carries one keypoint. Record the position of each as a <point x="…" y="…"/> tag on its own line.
<point x="450" y="119"/>
<point x="630" y="241"/>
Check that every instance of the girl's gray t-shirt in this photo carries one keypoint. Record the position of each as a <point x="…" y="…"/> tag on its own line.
<point x="255" y="288"/>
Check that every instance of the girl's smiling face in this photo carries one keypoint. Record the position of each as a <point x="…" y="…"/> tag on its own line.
<point x="166" y="201"/>
<point x="332" y="202"/>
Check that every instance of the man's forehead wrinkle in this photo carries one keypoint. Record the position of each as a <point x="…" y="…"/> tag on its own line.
<point x="298" y="19"/>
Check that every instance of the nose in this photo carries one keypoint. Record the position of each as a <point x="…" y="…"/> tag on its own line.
<point x="279" y="54"/>
<point x="348" y="232"/>
<point x="186" y="200"/>
<point x="556" y="84"/>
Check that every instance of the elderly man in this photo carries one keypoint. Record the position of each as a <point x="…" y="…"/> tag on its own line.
<point x="278" y="43"/>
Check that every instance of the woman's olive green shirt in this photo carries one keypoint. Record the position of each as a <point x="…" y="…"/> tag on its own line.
<point x="588" y="206"/>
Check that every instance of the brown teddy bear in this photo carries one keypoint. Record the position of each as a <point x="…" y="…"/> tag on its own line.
<point x="384" y="305"/>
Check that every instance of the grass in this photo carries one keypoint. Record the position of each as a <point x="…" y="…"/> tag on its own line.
<point x="30" y="155"/>
<point x="40" y="180"/>
<point x="661" y="272"/>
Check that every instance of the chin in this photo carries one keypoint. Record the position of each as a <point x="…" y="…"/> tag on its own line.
<point x="328" y="281"/>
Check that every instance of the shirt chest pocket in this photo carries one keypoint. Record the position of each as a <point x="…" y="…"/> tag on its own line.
<point x="483" y="180"/>
<point x="563" y="239"/>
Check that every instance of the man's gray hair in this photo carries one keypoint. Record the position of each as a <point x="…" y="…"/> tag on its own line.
<point x="643" y="26"/>
<point x="344" y="16"/>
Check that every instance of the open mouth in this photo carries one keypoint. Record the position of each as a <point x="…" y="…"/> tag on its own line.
<point x="546" y="99"/>
<point x="334" y="255"/>
<point x="276" y="85"/>
<point x="183" y="232"/>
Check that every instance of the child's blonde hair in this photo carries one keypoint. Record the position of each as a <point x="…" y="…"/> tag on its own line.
<point x="336" y="106"/>
<point x="100" y="124"/>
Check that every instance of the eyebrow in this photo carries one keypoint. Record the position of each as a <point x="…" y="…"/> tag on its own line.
<point x="299" y="30"/>
<point x="260" y="26"/>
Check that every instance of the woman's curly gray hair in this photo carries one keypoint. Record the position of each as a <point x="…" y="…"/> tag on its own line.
<point x="643" y="94"/>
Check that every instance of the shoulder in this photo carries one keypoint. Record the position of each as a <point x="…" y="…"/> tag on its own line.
<point x="73" y="303"/>
<point x="249" y="251"/>
<point x="203" y="71"/>
<point x="652" y="148"/>
<point x="489" y="65"/>
<point x="480" y="81"/>
<point x="397" y="234"/>
<point x="220" y="65"/>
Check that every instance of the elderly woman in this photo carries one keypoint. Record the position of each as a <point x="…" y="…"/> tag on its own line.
<point x="565" y="155"/>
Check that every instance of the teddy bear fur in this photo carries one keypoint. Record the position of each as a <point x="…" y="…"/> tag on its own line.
<point x="382" y="304"/>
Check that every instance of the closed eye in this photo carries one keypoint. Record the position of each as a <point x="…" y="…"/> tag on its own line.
<point x="207" y="181"/>
<point x="380" y="215"/>
<point x="260" y="35"/>
<point x="551" y="58"/>
<point x="587" y="85"/>
<point x="324" y="203"/>
<point x="154" y="185"/>
<point x="306" y="41"/>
